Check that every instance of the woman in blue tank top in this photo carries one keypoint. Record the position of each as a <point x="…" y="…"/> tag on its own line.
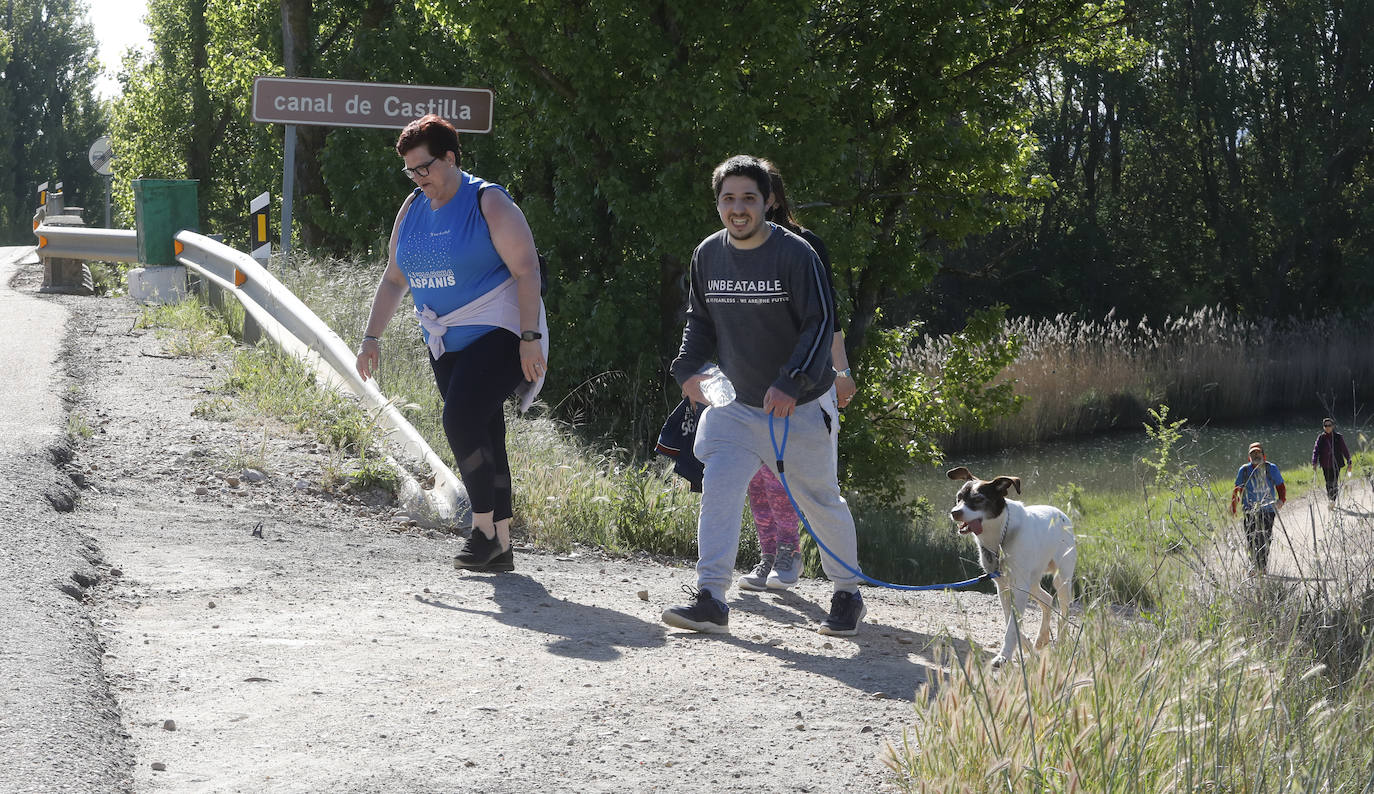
<point x="467" y="257"/>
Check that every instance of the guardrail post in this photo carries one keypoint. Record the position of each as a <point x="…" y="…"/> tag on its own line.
<point x="204" y="287"/>
<point x="62" y="275"/>
<point x="252" y="332"/>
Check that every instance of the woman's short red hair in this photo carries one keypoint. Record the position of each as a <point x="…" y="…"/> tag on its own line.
<point x="433" y="132"/>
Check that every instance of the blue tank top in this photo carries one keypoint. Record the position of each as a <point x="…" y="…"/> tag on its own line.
<point x="447" y="257"/>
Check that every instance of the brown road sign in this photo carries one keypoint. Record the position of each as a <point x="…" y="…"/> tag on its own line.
<point x="339" y="103"/>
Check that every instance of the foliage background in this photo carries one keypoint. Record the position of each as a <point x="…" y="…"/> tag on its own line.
<point x="49" y="115"/>
<point x="957" y="156"/>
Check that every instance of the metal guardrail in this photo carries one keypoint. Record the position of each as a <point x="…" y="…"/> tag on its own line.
<point x="296" y="329"/>
<point x="74" y="242"/>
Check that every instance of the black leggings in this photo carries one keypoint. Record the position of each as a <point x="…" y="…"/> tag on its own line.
<point x="474" y="383"/>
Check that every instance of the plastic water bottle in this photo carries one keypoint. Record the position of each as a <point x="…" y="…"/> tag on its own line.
<point x="717" y="389"/>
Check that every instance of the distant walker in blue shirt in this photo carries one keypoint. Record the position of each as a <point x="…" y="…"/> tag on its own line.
<point x="1260" y="486"/>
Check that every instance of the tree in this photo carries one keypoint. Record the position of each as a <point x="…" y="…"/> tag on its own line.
<point x="1237" y="159"/>
<point x="185" y="113"/>
<point x="900" y="127"/>
<point x="49" y="114"/>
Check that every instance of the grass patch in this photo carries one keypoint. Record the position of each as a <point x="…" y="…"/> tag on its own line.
<point x="270" y="382"/>
<point x="568" y="493"/>
<point x="1233" y="684"/>
<point x="187" y="328"/>
<point x="78" y="427"/>
<point x="109" y="278"/>
<point x="264" y="381"/>
<point x="250" y="457"/>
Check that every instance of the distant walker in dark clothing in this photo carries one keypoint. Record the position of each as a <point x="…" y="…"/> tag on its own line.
<point x="1330" y="453"/>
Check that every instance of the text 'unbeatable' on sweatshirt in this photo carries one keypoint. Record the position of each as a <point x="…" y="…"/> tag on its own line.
<point x="764" y="314"/>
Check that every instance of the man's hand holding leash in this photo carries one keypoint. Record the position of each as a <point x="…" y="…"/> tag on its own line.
<point x="778" y="403"/>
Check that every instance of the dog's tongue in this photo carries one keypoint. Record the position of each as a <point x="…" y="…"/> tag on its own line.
<point x="975" y="526"/>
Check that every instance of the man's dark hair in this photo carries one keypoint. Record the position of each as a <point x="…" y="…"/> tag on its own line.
<point x="432" y="132"/>
<point x="742" y="165"/>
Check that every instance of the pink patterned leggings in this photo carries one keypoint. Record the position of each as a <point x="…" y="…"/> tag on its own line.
<point x="774" y="516"/>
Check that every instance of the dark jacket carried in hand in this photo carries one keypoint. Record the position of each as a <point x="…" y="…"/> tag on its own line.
<point x="675" y="440"/>
<point x="1330" y="451"/>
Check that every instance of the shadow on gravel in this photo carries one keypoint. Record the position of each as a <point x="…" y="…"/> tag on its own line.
<point x="583" y="632"/>
<point x="882" y="666"/>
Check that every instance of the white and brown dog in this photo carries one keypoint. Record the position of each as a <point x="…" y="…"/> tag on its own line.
<point x="1023" y="543"/>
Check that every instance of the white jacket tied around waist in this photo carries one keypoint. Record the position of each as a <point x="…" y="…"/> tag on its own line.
<point x="499" y="308"/>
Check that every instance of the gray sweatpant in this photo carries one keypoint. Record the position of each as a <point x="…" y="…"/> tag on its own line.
<point x="732" y="441"/>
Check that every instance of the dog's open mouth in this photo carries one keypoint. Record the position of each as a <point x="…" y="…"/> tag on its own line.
<point x="975" y="526"/>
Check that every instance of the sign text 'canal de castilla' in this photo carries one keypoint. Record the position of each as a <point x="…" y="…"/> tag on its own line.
<point x="340" y="103"/>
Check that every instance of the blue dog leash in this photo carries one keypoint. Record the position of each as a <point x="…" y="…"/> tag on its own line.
<point x="777" y="452"/>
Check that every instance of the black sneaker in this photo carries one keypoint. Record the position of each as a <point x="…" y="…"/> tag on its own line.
<point x="846" y="610"/>
<point x="708" y="615"/>
<point x="478" y="551"/>
<point x="501" y="563"/>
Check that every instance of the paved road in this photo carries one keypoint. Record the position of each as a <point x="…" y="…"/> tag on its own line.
<point x="59" y="728"/>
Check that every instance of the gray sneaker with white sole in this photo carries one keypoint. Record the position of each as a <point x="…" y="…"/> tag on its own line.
<point x="757" y="579"/>
<point x="786" y="568"/>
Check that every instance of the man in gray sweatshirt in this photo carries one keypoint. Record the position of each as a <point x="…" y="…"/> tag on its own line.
<point x="760" y="306"/>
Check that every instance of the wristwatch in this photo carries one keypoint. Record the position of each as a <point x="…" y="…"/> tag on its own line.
<point x="844" y="373"/>
<point x="530" y="336"/>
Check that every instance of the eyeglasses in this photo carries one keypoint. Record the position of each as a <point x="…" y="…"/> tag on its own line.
<point x="1328" y="425"/>
<point x="420" y="170"/>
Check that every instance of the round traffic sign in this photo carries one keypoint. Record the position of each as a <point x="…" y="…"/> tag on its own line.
<point x="101" y="155"/>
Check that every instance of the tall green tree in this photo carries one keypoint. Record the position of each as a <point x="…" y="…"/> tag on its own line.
<point x="184" y="114"/>
<point x="901" y="128"/>
<point x="1231" y="166"/>
<point x="185" y="111"/>
<point x="49" y="113"/>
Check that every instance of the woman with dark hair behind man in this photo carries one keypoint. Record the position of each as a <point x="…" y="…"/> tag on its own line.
<point x="467" y="256"/>
<point x="775" y="520"/>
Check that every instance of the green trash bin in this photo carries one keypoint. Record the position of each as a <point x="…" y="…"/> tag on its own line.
<point x="163" y="207"/>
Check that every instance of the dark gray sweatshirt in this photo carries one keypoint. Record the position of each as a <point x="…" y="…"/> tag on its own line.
<point x="765" y="315"/>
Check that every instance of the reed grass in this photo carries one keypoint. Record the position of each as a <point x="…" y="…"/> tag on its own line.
<point x="1082" y="376"/>
<point x="1232" y="684"/>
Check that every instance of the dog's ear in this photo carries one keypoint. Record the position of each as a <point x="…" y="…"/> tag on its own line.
<point x="960" y="473"/>
<point x="1004" y="483"/>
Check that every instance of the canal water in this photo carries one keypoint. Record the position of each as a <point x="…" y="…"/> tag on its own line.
<point x="1108" y="463"/>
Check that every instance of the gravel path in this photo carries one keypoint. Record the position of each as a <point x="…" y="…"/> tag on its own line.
<point x="268" y="636"/>
<point x="59" y="726"/>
